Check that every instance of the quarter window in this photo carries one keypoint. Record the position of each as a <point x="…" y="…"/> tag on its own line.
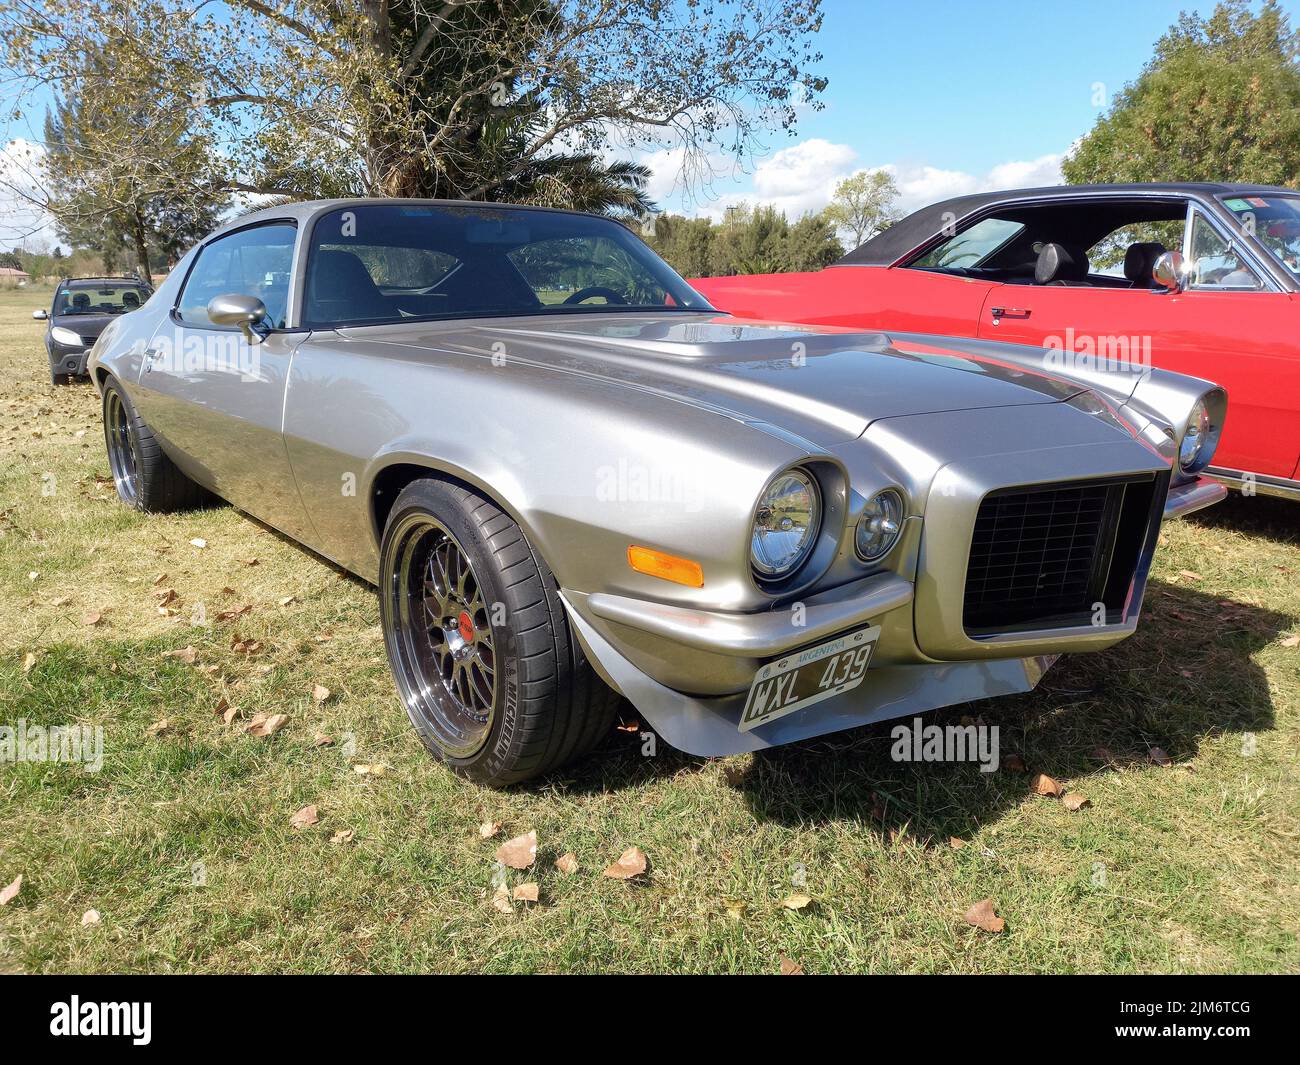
<point x="970" y="247"/>
<point x="252" y="262"/>
<point x="1213" y="264"/>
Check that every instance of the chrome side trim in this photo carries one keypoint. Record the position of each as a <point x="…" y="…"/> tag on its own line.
<point x="1279" y="487"/>
<point x="1193" y="496"/>
<point x="759" y="635"/>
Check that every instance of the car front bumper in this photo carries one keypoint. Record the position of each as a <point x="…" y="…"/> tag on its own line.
<point x="687" y="670"/>
<point x="68" y="358"/>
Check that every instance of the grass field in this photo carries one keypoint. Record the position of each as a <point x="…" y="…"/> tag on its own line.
<point x="184" y="847"/>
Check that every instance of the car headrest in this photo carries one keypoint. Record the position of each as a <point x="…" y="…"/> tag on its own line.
<point x="1140" y="259"/>
<point x="130" y="299"/>
<point x="80" y="300"/>
<point x="1060" y="262"/>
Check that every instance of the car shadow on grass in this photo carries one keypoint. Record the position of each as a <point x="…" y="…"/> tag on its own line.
<point x="1266" y="517"/>
<point x="1185" y="675"/>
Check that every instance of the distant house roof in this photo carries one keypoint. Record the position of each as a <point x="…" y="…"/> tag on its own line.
<point x="9" y="271"/>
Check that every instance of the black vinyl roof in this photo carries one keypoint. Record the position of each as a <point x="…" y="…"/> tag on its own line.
<point x="888" y="247"/>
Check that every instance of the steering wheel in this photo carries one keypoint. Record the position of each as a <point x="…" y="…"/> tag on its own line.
<point x="595" y="290"/>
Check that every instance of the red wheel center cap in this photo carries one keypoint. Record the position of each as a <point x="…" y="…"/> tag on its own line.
<point x="465" y="624"/>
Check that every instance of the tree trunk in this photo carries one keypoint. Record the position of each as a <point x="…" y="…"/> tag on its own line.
<point x="141" y="247"/>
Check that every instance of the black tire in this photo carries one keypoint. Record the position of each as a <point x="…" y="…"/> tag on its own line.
<point x="547" y="704"/>
<point x="144" y="476"/>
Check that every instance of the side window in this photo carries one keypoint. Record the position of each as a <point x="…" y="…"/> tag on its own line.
<point x="971" y="246"/>
<point x="252" y="262"/>
<point x="1213" y="264"/>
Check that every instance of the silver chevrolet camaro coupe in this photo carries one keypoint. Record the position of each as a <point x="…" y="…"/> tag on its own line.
<point x="572" y="479"/>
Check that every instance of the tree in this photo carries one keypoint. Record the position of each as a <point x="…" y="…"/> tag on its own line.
<point x="1219" y="101"/>
<point x="476" y="99"/>
<point x="750" y="240"/>
<point x="863" y="205"/>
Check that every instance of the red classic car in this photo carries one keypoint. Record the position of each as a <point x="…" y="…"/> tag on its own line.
<point x="1203" y="279"/>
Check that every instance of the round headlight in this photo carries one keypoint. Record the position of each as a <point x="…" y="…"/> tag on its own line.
<point x="786" y="521"/>
<point x="1195" y="436"/>
<point x="880" y="524"/>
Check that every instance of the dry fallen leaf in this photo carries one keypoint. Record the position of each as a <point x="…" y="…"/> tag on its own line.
<point x="287" y="600"/>
<point x="1158" y="756"/>
<point x="305" y="817"/>
<point x="981" y="915"/>
<point x="520" y="852"/>
<point x="1014" y="763"/>
<point x="1103" y="754"/>
<point x="1291" y="641"/>
<point x="567" y="863"/>
<point x="159" y="579"/>
<point x="488" y="829"/>
<point x="955" y="843"/>
<point x="89" y="917"/>
<point x="322" y="740"/>
<point x="266" y="725"/>
<point x="94" y="617"/>
<point x="343" y="835"/>
<point x="158" y="727"/>
<point x="790" y="967"/>
<point x="198" y="542"/>
<point x="229" y="715"/>
<point x="61" y="600"/>
<point x="319" y="693"/>
<point x="1190" y="575"/>
<point x="185" y="654"/>
<point x="375" y="769"/>
<point x="796" y="901"/>
<point x="29" y="660"/>
<point x="250" y="562"/>
<point x="735" y="908"/>
<point x="1072" y="800"/>
<point x="234" y="612"/>
<point x="631" y="863"/>
<point x="1042" y="784"/>
<point x="7" y="893"/>
<point x="246" y="647"/>
<point x="501" y="899"/>
<point x="525" y="893"/>
<point x="166" y="597"/>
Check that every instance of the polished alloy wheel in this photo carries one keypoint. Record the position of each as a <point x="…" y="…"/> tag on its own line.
<point x="441" y="640"/>
<point x="120" y="438"/>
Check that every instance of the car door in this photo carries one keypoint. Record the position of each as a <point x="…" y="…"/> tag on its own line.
<point x="1229" y="326"/>
<point x="216" y="400"/>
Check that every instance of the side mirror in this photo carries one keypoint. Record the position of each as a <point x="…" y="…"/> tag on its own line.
<point x="1167" y="271"/>
<point x="246" y="312"/>
<point x="40" y="316"/>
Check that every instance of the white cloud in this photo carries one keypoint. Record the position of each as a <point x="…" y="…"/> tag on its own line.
<point x="803" y="177"/>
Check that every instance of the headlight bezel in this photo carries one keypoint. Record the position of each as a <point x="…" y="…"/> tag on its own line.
<point x="767" y="576"/>
<point x="1204" y="422"/>
<point x="61" y="334"/>
<point x="895" y="498"/>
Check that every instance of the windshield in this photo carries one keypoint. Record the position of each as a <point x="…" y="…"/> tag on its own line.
<point x="386" y="263"/>
<point x="1275" y="220"/>
<point x="99" y="299"/>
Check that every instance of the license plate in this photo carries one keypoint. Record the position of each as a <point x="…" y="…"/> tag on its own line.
<point x="808" y="676"/>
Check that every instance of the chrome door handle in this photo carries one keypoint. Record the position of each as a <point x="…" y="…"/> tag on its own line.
<point x="999" y="313"/>
<point x="151" y="355"/>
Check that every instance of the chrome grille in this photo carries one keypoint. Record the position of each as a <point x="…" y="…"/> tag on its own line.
<point x="1046" y="555"/>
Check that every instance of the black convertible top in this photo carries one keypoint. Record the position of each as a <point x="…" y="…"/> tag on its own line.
<point x="886" y="248"/>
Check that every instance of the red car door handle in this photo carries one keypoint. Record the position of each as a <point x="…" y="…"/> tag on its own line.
<point x="1007" y="312"/>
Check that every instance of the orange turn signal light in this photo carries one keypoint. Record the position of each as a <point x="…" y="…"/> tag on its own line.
<point x="669" y="567"/>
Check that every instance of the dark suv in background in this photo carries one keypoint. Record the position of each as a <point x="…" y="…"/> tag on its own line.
<point x="82" y="307"/>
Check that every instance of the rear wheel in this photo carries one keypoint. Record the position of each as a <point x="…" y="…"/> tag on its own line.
<point x="144" y="476"/>
<point x="480" y="647"/>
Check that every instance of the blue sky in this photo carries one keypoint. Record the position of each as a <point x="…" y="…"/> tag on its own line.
<point x="951" y="96"/>
<point x="954" y="96"/>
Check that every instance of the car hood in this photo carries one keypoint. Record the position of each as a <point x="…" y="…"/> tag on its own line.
<point x="826" y="384"/>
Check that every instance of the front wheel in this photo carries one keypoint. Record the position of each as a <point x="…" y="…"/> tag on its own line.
<point x="480" y="647"/>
